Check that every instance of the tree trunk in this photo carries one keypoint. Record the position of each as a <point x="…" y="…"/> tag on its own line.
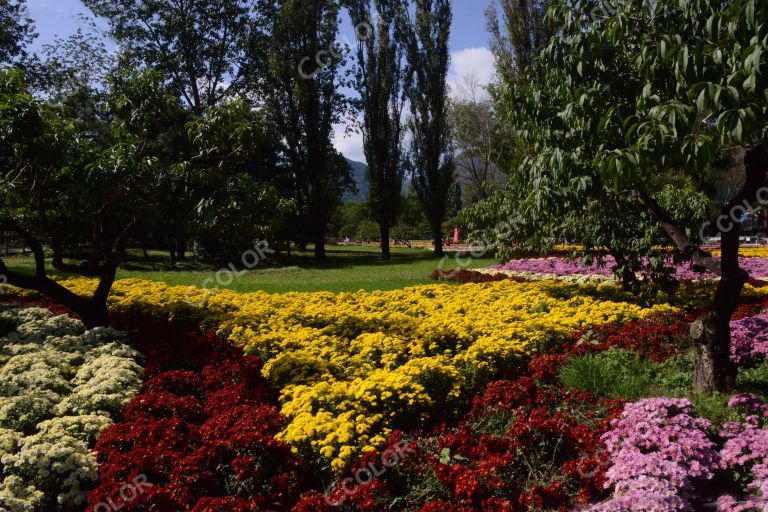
<point x="93" y="311"/>
<point x="385" y="248"/>
<point x="628" y="278"/>
<point x="714" y="370"/>
<point x="320" y="244"/>
<point x="437" y="237"/>
<point x="94" y="314"/>
<point x="181" y="249"/>
<point x="172" y="253"/>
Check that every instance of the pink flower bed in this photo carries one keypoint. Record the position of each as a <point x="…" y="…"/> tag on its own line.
<point x="749" y="337"/>
<point x="662" y="457"/>
<point x="658" y="450"/>
<point x="757" y="268"/>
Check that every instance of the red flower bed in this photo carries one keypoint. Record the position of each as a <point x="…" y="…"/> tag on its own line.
<point x="469" y="276"/>
<point x="199" y="436"/>
<point x="658" y="337"/>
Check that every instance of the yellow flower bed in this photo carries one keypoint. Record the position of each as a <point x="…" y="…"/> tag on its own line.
<point x="352" y="367"/>
<point x="747" y="252"/>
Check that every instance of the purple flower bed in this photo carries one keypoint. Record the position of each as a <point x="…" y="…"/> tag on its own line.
<point x="662" y="455"/>
<point x="746" y="452"/>
<point x="757" y="268"/>
<point x="749" y="337"/>
<point x="658" y="450"/>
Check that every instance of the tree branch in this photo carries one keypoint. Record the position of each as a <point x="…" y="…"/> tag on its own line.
<point x="677" y="235"/>
<point x="34" y="245"/>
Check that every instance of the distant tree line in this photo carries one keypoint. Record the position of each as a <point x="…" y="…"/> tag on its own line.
<point x="210" y="126"/>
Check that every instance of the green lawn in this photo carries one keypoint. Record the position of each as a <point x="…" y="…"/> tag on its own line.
<point x="345" y="269"/>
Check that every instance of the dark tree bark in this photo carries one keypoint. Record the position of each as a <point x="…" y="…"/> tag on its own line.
<point x="385" y="245"/>
<point x="181" y="249"/>
<point x="628" y="278"/>
<point x="172" y="252"/>
<point x="712" y="334"/>
<point x="437" y="240"/>
<point x="320" y="243"/>
<point x="93" y="311"/>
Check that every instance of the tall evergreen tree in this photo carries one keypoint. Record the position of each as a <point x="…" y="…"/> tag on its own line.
<point x="428" y="59"/>
<point x="380" y="81"/>
<point x="517" y="34"/>
<point x="301" y="90"/>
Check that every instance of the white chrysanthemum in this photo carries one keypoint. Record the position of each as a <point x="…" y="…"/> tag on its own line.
<point x="65" y="462"/>
<point x="61" y="385"/>
<point x="24" y="315"/>
<point x="85" y="428"/>
<point x="18" y="496"/>
<point x="105" y="384"/>
<point x="24" y="411"/>
<point x="37" y="331"/>
<point x="39" y="370"/>
<point x="9" y="444"/>
<point x="87" y="341"/>
<point x="115" y="350"/>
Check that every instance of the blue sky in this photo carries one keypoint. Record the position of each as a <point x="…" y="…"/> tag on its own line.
<point x="469" y="42"/>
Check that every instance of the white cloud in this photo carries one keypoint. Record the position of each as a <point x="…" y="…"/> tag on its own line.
<point x="475" y="62"/>
<point x="348" y="144"/>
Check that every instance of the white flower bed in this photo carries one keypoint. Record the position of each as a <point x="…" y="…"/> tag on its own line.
<point x="580" y="279"/>
<point x="60" y="387"/>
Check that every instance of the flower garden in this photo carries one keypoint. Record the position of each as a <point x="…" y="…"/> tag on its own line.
<point x="182" y="328"/>
<point x="512" y="394"/>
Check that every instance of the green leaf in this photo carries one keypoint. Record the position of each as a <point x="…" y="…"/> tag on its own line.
<point x="702" y="100"/>
<point x="683" y="58"/>
<point x="749" y="13"/>
<point x="713" y="26"/>
<point x="750" y="84"/>
<point x="606" y="119"/>
<point x="738" y="130"/>
<point x="647" y="90"/>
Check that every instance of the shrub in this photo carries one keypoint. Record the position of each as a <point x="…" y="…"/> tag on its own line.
<point x="615" y="373"/>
